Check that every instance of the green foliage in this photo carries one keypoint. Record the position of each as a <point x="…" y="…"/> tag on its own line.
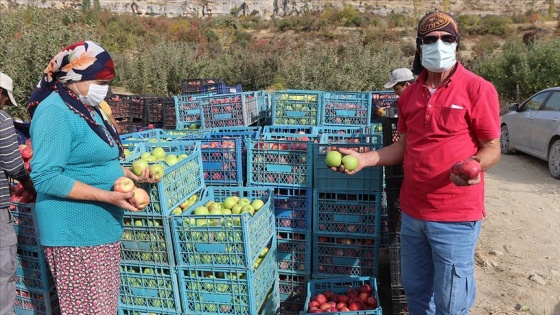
<point x="532" y="67"/>
<point x="551" y="9"/>
<point x="495" y="25"/>
<point x="469" y="23"/>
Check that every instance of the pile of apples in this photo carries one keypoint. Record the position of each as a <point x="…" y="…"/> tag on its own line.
<point x="354" y="299"/>
<point x="18" y="192"/>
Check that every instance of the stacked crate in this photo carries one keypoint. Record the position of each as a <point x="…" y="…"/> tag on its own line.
<point x="227" y="262"/>
<point x="149" y="282"/>
<point x="195" y="86"/>
<point x="160" y="111"/>
<point x="346" y="210"/>
<point x="281" y="159"/>
<point x="35" y="287"/>
<point x="295" y="107"/>
<point x="128" y="111"/>
<point x="393" y="179"/>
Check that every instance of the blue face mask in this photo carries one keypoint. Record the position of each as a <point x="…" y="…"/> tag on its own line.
<point x="439" y="56"/>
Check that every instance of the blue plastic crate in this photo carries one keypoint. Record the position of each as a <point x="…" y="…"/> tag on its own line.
<point x="236" y="291"/>
<point x="224" y="240"/>
<point x="25" y="225"/>
<point x="179" y="181"/>
<point x="271" y="305"/>
<point x="342" y="130"/>
<point x="149" y="288"/>
<point x="341" y="286"/>
<point x="222" y="161"/>
<point x="229" y="110"/>
<point x="369" y="179"/>
<point x="221" y="88"/>
<point x="347" y="213"/>
<point x="346" y="108"/>
<point x="383" y="98"/>
<point x="134" y="311"/>
<point x="146" y="240"/>
<point x="345" y="255"/>
<point x="290" y="129"/>
<point x="280" y="162"/>
<point x="293" y="208"/>
<point x="36" y="303"/>
<point x="254" y="105"/>
<point x="188" y="111"/>
<point x="295" y="107"/>
<point x="32" y="271"/>
<point x="293" y="290"/>
<point x="294" y="252"/>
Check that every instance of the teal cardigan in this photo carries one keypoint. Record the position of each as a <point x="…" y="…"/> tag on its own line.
<point x="67" y="150"/>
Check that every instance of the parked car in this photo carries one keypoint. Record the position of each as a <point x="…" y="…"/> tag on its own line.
<point x="533" y="127"/>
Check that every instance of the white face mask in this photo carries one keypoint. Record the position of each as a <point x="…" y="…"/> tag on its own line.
<point x="95" y="95"/>
<point x="439" y="56"/>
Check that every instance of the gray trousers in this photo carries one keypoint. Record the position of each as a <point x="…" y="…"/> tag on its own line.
<point x="8" y="249"/>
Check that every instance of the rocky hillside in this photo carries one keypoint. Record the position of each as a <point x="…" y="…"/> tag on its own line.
<point x="268" y="8"/>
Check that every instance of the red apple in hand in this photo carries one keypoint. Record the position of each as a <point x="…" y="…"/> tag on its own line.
<point x="123" y="184"/>
<point x="140" y="199"/>
<point x="468" y="169"/>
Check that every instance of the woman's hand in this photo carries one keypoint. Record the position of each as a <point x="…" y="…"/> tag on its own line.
<point x="124" y="200"/>
<point x="145" y="177"/>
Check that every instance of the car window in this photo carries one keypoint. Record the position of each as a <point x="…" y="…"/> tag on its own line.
<point x="553" y="103"/>
<point x="535" y="102"/>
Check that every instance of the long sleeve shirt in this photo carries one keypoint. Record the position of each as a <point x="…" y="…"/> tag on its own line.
<point x="10" y="157"/>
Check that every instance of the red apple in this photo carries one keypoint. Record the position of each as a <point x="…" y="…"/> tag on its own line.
<point x="365" y="288"/>
<point x="26" y="153"/>
<point x="124" y="184"/>
<point x="321" y="299"/>
<point x="313" y="304"/>
<point x="140" y="199"/>
<point x="372" y="302"/>
<point x="470" y="168"/>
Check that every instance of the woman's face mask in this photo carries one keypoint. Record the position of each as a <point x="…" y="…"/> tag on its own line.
<point x="439" y="56"/>
<point x="95" y="95"/>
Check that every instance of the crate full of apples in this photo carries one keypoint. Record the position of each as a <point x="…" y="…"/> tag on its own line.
<point x="227" y="110"/>
<point x="211" y="290"/>
<point x="294" y="107"/>
<point x="348" y="296"/>
<point x="227" y="227"/>
<point x="346" y="108"/>
<point x="179" y="166"/>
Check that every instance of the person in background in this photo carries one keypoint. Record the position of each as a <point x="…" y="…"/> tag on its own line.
<point x="75" y="163"/>
<point x="400" y="79"/>
<point x="12" y="167"/>
<point x="448" y="114"/>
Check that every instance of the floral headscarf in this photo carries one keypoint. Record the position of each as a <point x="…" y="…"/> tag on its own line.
<point x="81" y="61"/>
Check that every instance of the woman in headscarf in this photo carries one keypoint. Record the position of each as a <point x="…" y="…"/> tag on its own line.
<point x="75" y="163"/>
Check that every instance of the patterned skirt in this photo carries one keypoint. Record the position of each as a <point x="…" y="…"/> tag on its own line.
<point x="87" y="278"/>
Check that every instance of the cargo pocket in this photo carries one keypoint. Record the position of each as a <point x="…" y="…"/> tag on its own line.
<point x="463" y="289"/>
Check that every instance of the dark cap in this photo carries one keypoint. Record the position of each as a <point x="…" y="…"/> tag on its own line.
<point x="433" y="21"/>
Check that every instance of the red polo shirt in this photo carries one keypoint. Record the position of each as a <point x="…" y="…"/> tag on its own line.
<point x="442" y="129"/>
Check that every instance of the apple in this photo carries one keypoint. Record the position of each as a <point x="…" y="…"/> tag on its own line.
<point x="334" y="158"/>
<point x="182" y="156"/>
<point x="244" y="201"/>
<point x="257" y="204"/>
<point x="350" y="162"/>
<point x="26" y="152"/>
<point x="123" y="184"/>
<point x="145" y="155"/>
<point x="468" y="169"/>
<point x="236" y="209"/>
<point x="171" y="159"/>
<point x="229" y="202"/>
<point x="177" y="211"/>
<point x="248" y="208"/>
<point x="157" y="169"/>
<point x="139" y="166"/>
<point x="158" y="153"/>
<point x="215" y="206"/>
<point x="127" y="152"/>
<point x="141" y="198"/>
<point x="150" y="158"/>
<point x="201" y="210"/>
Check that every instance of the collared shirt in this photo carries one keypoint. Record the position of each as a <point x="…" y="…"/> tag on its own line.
<point x="442" y="129"/>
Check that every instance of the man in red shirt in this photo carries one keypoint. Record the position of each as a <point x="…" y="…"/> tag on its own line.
<point x="448" y="115"/>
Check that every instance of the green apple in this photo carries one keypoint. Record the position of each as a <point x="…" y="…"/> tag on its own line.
<point x="229" y="202"/>
<point x="350" y="162"/>
<point x="158" y="153"/>
<point x="150" y="158"/>
<point x="177" y="211"/>
<point x="208" y="203"/>
<point x="171" y="159"/>
<point x="193" y="126"/>
<point x="157" y="169"/>
<point x="248" y="208"/>
<point x="127" y="152"/>
<point x="138" y="223"/>
<point x="138" y="166"/>
<point x="244" y="201"/>
<point x="153" y="140"/>
<point x="334" y="158"/>
<point x="236" y="209"/>
<point x="226" y="211"/>
<point x="263" y="252"/>
<point x="215" y="206"/>
<point x="145" y="155"/>
<point x="215" y="211"/>
<point x="201" y="210"/>
<point x="193" y="198"/>
<point x="182" y="156"/>
<point x="257" y="204"/>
